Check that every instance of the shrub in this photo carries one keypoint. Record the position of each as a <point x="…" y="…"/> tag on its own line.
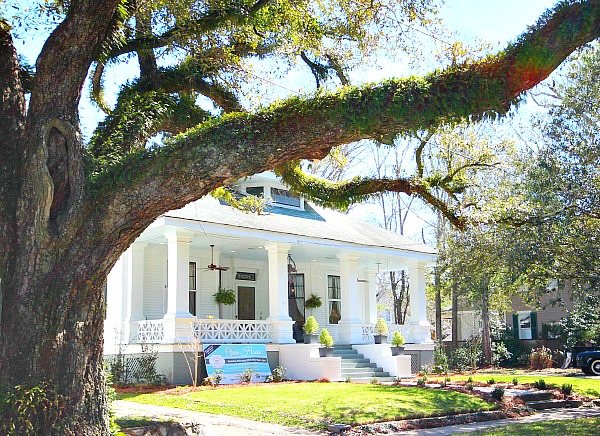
<point x="540" y="358"/>
<point x="491" y="381"/>
<point x="498" y="393"/>
<point x="381" y="327"/>
<point x="566" y="389"/>
<point x="246" y="376"/>
<point x="396" y="381"/>
<point x="515" y="381"/>
<point x="465" y="356"/>
<point x="442" y="384"/>
<point x="470" y="379"/>
<point x="500" y="354"/>
<point x="397" y="339"/>
<point x="348" y="379"/>
<point x="27" y="410"/>
<point x="374" y="380"/>
<point x="311" y="326"/>
<point x="440" y="360"/>
<point x="325" y="338"/>
<point x="278" y="373"/>
<point x="421" y="382"/>
<point x="469" y="386"/>
<point x="540" y="384"/>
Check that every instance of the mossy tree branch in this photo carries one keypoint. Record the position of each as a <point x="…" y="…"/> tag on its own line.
<point x="221" y="151"/>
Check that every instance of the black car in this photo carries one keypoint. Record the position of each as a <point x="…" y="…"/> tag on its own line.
<point x="589" y="362"/>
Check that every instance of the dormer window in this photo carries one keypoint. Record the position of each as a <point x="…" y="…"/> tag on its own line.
<point x="257" y="191"/>
<point x="284" y="197"/>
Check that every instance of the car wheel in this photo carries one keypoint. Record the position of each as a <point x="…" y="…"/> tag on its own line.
<point x="586" y="370"/>
<point x="595" y="367"/>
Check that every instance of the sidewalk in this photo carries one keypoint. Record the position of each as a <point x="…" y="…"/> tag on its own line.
<point x="545" y="415"/>
<point x="214" y="425"/>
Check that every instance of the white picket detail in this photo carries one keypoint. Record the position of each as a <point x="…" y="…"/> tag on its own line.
<point x="229" y="331"/>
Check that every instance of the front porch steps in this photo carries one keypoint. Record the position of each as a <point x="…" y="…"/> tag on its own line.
<point x="358" y="368"/>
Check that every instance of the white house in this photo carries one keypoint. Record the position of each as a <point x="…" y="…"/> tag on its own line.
<point x="161" y="289"/>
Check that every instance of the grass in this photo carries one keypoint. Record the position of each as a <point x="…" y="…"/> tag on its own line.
<point x="588" y="387"/>
<point x="313" y="405"/>
<point x="134" y="421"/>
<point x="572" y="427"/>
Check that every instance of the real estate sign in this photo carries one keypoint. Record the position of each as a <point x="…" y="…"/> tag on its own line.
<point x="231" y="360"/>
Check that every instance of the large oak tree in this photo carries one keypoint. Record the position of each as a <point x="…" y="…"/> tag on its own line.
<point x="68" y="209"/>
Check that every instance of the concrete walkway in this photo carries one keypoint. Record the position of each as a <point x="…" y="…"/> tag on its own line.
<point x="214" y="425"/>
<point x="545" y="415"/>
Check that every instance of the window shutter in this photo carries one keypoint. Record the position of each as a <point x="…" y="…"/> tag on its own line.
<point x="534" y="329"/>
<point x="516" y="325"/>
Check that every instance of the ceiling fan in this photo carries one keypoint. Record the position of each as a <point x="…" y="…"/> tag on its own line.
<point x="212" y="266"/>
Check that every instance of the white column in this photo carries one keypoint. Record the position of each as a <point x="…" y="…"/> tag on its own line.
<point x="134" y="288"/>
<point x="115" y="305"/>
<point x="281" y="322"/>
<point x="178" y="253"/>
<point x="372" y="297"/>
<point x="349" y="327"/>
<point x="419" y="326"/>
<point x="349" y="287"/>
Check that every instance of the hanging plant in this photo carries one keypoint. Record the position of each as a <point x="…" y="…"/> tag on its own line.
<point x="225" y="296"/>
<point x="314" y="302"/>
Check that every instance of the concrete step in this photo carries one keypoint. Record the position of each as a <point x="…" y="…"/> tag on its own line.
<point x="535" y="396"/>
<point x="355" y="360"/>
<point x="344" y="352"/>
<point x="342" y="347"/>
<point x="547" y="404"/>
<point x="348" y="371"/>
<point x="347" y="364"/>
<point x="370" y="379"/>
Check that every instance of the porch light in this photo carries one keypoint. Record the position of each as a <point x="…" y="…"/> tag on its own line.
<point x="291" y="264"/>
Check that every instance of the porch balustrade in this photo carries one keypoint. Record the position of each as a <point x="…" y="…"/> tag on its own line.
<point x="150" y="331"/>
<point x="368" y="330"/>
<point x="228" y="331"/>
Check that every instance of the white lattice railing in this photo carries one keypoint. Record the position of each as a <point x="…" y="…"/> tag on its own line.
<point x="368" y="330"/>
<point x="228" y="330"/>
<point x="150" y="331"/>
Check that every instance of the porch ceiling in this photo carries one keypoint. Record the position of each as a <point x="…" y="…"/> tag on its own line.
<point x="249" y="245"/>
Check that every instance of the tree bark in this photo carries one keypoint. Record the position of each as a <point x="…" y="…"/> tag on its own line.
<point x="486" y="341"/>
<point x="454" y="315"/>
<point x="438" y="304"/>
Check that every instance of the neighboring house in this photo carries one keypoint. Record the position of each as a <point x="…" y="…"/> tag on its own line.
<point x="161" y="289"/>
<point x="527" y="321"/>
<point x="535" y="322"/>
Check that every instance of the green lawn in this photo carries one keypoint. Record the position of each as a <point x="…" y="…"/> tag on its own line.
<point x="572" y="427"/>
<point x="312" y="405"/>
<point x="589" y="387"/>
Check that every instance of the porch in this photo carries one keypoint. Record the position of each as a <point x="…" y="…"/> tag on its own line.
<point x="227" y="331"/>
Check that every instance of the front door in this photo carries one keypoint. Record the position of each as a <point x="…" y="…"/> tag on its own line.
<point x="296" y="304"/>
<point x="245" y="302"/>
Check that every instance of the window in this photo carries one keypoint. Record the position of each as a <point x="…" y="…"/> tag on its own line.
<point x="257" y="191"/>
<point x="334" y="296"/>
<point x="525" y="325"/>
<point x="282" y="196"/>
<point x="192" y="288"/>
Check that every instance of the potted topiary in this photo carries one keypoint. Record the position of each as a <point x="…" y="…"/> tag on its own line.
<point x="398" y="342"/>
<point x="381" y="331"/>
<point x="224" y="297"/>
<point x="327" y="341"/>
<point x="311" y="327"/>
